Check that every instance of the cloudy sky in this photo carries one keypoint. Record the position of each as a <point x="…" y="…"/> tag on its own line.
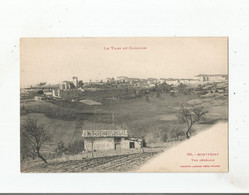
<point x="57" y="59"/>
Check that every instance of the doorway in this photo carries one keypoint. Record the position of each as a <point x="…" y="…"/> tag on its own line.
<point x="132" y="145"/>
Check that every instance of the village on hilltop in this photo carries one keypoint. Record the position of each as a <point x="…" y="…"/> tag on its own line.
<point x="58" y="91"/>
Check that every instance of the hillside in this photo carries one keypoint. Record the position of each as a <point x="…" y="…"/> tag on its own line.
<point x="153" y="119"/>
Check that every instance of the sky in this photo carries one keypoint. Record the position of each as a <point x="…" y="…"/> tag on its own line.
<point x="57" y="59"/>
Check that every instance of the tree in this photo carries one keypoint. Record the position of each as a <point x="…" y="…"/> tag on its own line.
<point x="25" y="152"/>
<point x="40" y="92"/>
<point x="176" y="133"/>
<point x="142" y="143"/>
<point x="76" y="147"/>
<point x="190" y="116"/>
<point x="80" y="83"/>
<point x="60" y="149"/>
<point x="42" y="83"/>
<point x="34" y="136"/>
<point x="164" y="137"/>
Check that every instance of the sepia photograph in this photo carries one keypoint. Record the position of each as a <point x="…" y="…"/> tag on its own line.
<point x="124" y="104"/>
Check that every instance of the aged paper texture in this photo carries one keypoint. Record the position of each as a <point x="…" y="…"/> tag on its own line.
<point x="145" y="104"/>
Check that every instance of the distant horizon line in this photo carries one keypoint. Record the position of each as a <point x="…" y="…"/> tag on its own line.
<point x="95" y="80"/>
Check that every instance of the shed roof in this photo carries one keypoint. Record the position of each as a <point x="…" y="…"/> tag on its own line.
<point x="104" y="133"/>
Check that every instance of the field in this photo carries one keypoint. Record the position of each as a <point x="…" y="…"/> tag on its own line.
<point x="153" y="118"/>
<point x="105" y="161"/>
<point x="119" y="163"/>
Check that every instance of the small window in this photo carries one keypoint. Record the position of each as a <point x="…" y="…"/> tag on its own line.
<point x="132" y="145"/>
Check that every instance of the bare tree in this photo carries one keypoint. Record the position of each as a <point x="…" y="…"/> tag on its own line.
<point x="34" y="136"/>
<point x="190" y="116"/>
<point x="142" y="143"/>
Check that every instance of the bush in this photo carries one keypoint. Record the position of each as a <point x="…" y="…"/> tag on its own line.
<point x="76" y="147"/>
<point x="165" y="137"/>
<point x="60" y="149"/>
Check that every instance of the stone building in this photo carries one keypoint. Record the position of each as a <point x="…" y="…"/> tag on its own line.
<point x="212" y="77"/>
<point x="108" y="140"/>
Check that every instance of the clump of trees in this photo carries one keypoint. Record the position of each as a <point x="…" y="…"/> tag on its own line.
<point x="75" y="147"/>
<point x="177" y="133"/>
<point x="81" y="84"/>
<point x="33" y="138"/>
<point x="40" y="92"/>
<point x="163" y="87"/>
<point x="190" y="116"/>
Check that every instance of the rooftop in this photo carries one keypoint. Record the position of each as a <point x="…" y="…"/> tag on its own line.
<point x="214" y="75"/>
<point x="104" y="133"/>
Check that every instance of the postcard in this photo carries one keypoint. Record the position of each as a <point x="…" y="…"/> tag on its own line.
<point x="122" y="104"/>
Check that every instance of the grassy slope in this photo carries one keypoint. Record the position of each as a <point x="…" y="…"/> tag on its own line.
<point x="150" y="119"/>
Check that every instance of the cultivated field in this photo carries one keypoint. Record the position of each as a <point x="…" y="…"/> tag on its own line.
<point x="113" y="163"/>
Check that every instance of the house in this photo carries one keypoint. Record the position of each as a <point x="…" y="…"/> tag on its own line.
<point x="48" y="93"/>
<point x="212" y="77"/>
<point x="40" y="98"/>
<point x="189" y="81"/>
<point x="108" y="140"/>
<point x="56" y="93"/>
<point x="122" y="79"/>
<point x="74" y="84"/>
<point x="67" y="85"/>
<point x="171" y="81"/>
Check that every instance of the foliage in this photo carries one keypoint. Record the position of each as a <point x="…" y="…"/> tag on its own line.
<point x="42" y="83"/>
<point x="40" y="92"/>
<point x="23" y="111"/>
<point x="60" y="149"/>
<point x="165" y="137"/>
<point x="76" y="147"/>
<point x="26" y="150"/>
<point x="164" y="87"/>
<point x="80" y="83"/>
<point x="176" y="133"/>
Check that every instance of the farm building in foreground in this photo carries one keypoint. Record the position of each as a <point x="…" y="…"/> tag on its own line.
<point x="108" y="140"/>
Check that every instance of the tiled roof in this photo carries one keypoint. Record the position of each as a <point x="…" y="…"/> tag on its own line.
<point x="104" y="133"/>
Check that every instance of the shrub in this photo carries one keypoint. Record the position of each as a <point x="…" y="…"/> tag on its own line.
<point x="76" y="147"/>
<point x="60" y="149"/>
<point x="165" y="137"/>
